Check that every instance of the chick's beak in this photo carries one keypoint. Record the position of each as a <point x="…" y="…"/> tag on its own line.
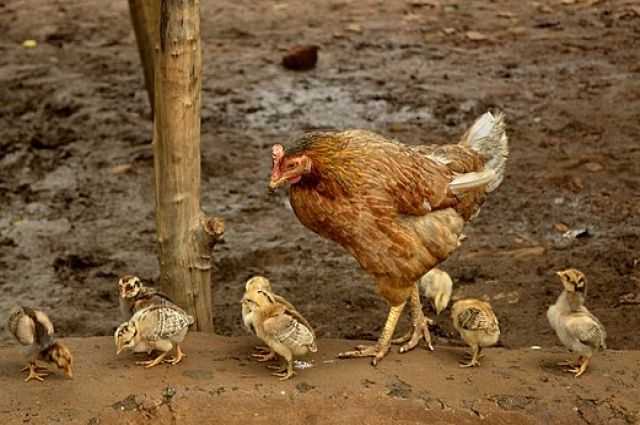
<point x="119" y="350"/>
<point x="69" y="372"/>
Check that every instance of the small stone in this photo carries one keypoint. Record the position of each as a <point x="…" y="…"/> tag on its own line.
<point x="354" y="28"/>
<point x="476" y="36"/>
<point x="594" y="167"/>
<point x="301" y="58"/>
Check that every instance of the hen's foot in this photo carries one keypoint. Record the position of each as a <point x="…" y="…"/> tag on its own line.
<point x="381" y="348"/>
<point x="35" y="372"/>
<point x="412" y="339"/>
<point x="374" y="351"/>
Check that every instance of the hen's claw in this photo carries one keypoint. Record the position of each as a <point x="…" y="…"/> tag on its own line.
<point x="374" y="351"/>
<point x="420" y="326"/>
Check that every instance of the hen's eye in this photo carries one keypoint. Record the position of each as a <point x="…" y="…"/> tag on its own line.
<point x="291" y="166"/>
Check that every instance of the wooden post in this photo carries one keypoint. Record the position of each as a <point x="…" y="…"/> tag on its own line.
<point x="145" y="16"/>
<point x="186" y="237"/>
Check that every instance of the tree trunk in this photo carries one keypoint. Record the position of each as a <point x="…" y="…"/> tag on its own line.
<point x="145" y="16"/>
<point x="186" y="236"/>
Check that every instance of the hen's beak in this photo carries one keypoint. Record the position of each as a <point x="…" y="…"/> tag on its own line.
<point x="274" y="184"/>
<point x="119" y="350"/>
<point x="69" y="372"/>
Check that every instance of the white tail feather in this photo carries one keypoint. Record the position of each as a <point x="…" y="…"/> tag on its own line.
<point x="486" y="136"/>
<point x="469" y="181"/>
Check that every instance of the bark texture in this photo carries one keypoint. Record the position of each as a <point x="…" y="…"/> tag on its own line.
<point x="145" y="17"/>
<point x="186" y="236"/>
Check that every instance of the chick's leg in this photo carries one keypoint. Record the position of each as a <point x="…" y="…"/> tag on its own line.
<point x="474" y="358"/>
<point x="287" y="371"/>
<point x="178" y="358"/>
<point x="151" y="363"/>
<point x="264" y="356"/>
<point x="420" y="325"/>
<point x="381" y="348"/>
<point x="35" y="372"/>
<point x="583" y="363"/>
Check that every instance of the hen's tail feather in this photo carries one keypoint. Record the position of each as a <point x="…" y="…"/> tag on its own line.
<point x="468" y="181"/>
<point x="487" y="136"/>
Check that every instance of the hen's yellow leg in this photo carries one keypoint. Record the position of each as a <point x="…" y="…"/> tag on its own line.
<point x="420" y="325"/>
<point x="35" y="372"/>
<point x="381" y="348"/>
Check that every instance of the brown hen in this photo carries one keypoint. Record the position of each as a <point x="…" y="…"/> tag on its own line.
<point x="398" y="209"/>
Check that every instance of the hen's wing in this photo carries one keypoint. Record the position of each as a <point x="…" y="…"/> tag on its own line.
<point x="587" y="329"/>
<point x="286" y="329"/>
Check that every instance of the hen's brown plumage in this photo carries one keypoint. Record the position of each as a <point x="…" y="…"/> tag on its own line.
<point x="398" y="209"/>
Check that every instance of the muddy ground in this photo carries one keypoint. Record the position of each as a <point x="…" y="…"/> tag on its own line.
<point x="217" y="383"/>
<point x="76" y="160"/>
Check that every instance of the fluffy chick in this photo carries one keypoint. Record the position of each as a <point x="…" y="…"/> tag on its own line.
<point x="284" y="330"/>
<point x="437" y="285"/>
<point x="157" y="327"/>
<point x="134" y="296"/>
<point x="34" y="330"/>
<point x="578" y="329"/>
<point x="477" y="324"/>
<point x="260" y="283"/>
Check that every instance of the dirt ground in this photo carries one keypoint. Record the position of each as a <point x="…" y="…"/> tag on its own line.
<point x="217" y="383"/>
<point x="76" y="160"/>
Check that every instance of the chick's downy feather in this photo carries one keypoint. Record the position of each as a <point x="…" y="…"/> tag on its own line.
<point x="286" y="327"/>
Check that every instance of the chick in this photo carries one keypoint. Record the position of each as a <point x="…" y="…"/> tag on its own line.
<point x="252" y="285"/>
<point x="281" y="328"/>
<point x="134" y="296"/>
<point x="477" y="324"/>
<point x="578" y="329"/>
<point x="34" y="330"/>
<point x="436" y="285"/>
<point x="157" y="327"/>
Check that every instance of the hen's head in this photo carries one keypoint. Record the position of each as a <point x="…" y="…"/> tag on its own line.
<point x="288" y="168"/>
<point x="573" y="280"/>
